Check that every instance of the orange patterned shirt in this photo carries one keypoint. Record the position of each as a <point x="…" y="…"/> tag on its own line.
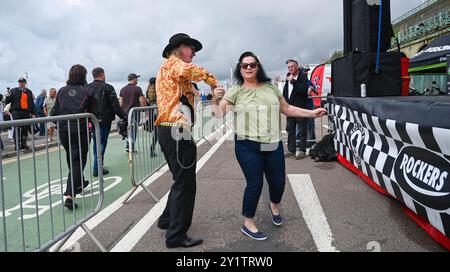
<point x="174" y="78"/>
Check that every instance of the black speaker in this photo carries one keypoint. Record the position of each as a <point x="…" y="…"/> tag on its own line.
<point x="361" y="24"/>
<point x="348" y="47"/>
<point x="354" y="69"/>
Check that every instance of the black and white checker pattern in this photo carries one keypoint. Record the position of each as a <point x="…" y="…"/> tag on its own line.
<point x="382" y="143"/>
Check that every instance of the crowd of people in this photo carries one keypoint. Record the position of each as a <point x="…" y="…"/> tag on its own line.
<point x="42" y="105"/>
<point x="11" y="109"/>
<point x="258" y="143"/>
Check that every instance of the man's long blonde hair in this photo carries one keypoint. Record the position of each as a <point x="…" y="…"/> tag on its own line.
<point x="177" y="52"/>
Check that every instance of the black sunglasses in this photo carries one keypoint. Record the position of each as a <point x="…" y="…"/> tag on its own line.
<point x="190" y="46"/>
<point x="252" y="65"/>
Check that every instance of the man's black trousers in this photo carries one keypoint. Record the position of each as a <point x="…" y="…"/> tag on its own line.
<point x="291" y="126"/>
<point x="181" y="156"/>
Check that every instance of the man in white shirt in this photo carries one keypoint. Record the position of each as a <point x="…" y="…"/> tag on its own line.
<point x="48" y="106"/>
<point x="296" y="93"/>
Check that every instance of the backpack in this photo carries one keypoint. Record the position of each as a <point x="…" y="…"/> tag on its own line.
<point x="324" y="150"/>
<point x="71" y="100"/>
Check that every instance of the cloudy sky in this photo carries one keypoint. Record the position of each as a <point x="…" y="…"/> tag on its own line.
<point x="45" y="38"/>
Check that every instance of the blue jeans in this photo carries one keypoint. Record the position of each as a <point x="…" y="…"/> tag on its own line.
<point x="256" y="162"/>
<point x="105" y="128"/>
<point x="41" y="125"/>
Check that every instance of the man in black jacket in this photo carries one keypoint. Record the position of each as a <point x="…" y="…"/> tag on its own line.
<point x="296" y="93"/>
<point x="106" y="108"/>
<point x="22" y="107"/>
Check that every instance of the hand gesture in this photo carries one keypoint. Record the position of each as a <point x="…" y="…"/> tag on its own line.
<point x="218" y="92"/>
<point x="320" y="112"/>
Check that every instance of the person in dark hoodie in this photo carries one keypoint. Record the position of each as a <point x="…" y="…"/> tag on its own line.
<point x="106" y="108"/>
<point x="75" y="98"/>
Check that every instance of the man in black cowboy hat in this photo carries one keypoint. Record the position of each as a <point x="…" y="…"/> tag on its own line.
<point x="175" y="117"/>
<point x="22" y="107"/>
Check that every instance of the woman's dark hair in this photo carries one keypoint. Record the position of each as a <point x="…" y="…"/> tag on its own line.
<point x="260" y="76"/>
<point x="77" y="75"/>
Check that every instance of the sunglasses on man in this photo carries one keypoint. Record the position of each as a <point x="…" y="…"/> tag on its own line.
<point x="190" y="46"/>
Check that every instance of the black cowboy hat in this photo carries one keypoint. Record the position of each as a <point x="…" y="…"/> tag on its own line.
<point x="178" y="39"/>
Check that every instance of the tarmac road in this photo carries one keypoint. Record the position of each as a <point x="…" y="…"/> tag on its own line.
<point x="325" y="208"/>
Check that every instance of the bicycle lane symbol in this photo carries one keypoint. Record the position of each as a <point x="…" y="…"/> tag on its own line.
<point x="55" y="189"/>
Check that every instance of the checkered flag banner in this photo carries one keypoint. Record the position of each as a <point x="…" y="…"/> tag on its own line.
<point x="409" y="161"/>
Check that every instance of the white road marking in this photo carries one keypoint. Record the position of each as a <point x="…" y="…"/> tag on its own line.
<point x="108" y="211"/>
<point x="129" y="241"/>
<point x="116" y="205"/>
<point x="312" y="211"/>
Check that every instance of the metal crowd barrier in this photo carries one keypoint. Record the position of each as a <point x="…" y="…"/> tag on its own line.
<point x="33" y="216"/>
<point x="145" y="155"/>
<point x="205" y="123"/>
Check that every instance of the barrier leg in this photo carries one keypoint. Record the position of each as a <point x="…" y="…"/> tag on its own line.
<point x="60" y="244"/>
<point x="206" y="140"/>
<point x="89" y="233"/>
<point x="129" y="195"/>
<point x="321" y="126"/>
<point x="150" y="193"/>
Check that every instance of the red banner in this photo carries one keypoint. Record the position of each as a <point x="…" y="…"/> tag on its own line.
<point x="317" y="80"/>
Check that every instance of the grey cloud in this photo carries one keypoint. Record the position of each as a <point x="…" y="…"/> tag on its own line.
<point x="45" y="38"/>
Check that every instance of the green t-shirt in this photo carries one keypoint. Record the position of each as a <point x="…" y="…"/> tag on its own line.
<point x="256" y="112"/>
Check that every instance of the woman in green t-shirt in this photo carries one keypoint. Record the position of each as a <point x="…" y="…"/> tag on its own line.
<point x="257" y="105"/>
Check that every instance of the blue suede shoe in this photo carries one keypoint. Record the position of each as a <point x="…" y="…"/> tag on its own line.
<point x="277" y="220"/>
<point x="260" y="236"/>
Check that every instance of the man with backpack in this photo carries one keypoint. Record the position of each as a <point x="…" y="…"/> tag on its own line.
<point x="72" y="99"/>
<point x="106" y="108"/>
